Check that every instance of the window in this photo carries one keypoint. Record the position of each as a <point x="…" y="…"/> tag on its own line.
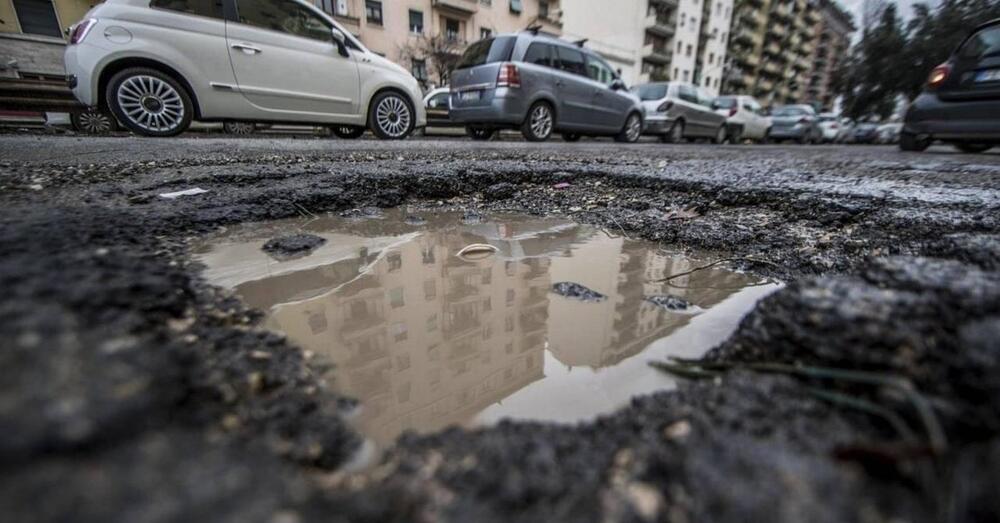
<point x="598" y="70"/>
<point x="571" y="61"/>
<point x="416" y="22"/>
<point x="487" y="52"/>
<point x="485" y="32"/>
<point x="687" y="93"/>
<point x="439" y="100"/>
<point x="683" y="18"/>
<point x="373" y="12"/>
<point x="396" y="298"/>
<point x="209" y="8"/>
<point x="680" y="47"/>
<point x="516" y="7"/>
<point x="689" y="50"/>
<point x="284" y="16"/>
<point x="430" y="286"/>
<point x="452" y="29"/>
<point x="419" y="71"/>
<point x="539" y="54"/>
<point x="711" y="58"/>
<point x="543" y="9"/>
<point x="686" y="75"/>
<point x="37" y="17"/>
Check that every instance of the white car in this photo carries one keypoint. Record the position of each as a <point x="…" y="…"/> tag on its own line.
<point x="745" y="111"/>
<point x="830" y="125"/>
<point x="159" y="64"/>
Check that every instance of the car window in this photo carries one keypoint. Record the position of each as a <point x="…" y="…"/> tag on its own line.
<point x="539" y="54"/>
<point x="209" y="8"/>
<point x="487" y="51"/>
<point x="438" y="101"/>
<point x="724" y="102"/>
<point x="984" y="44"/>
<point x="571" y="61"/>
<point x="599" y="71"/>
<point x="789" y="111"/>
<point x="284" y="16"/>
<point x="687" y="93"/>
<point x="649" y="92"/>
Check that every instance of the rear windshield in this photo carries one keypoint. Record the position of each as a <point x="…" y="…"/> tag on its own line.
<point x="724" y="102"/>
<point x="827" y="118"/>
<point x="487" y="51"/>
<point x="651" y="91"/>
<point x="983" y="44"/>
<point x="790" y="111"/>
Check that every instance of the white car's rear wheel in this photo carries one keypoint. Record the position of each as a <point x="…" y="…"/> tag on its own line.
<point x="391" y="116"/>
<point x="149" y="102"/>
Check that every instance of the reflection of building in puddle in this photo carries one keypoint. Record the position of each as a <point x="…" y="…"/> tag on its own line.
<point x="425" y="339"/>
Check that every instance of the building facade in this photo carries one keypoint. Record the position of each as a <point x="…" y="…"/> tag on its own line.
<point x="32" y="35"/>
<point x="428" y="36"/>
<point x="770" y="49"/>
<point x="712" y="43"/>
<point x="833" y="42"/>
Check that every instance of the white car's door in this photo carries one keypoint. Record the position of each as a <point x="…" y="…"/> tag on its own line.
<point x="287" y="63"/>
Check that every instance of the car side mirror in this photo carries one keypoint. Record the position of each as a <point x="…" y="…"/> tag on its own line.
<point x="340" y="40"/>
<point x="618" y="85"/>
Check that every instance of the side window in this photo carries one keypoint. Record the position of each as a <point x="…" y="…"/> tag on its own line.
<point x="985" y="43"/>
<point x="599" y="71"/>
<point x="539" y="54"/>
<point x="284" y="16"/>
<point x="209" y="8"/>
<point x="571" y="61"/>
<point x="438" y="101"/>
<point x="687" y="93"/>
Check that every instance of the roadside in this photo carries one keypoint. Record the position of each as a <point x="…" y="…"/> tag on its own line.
<point x="128" y="368"/>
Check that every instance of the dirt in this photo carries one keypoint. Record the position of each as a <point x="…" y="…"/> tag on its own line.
<point x="135" y="391"/>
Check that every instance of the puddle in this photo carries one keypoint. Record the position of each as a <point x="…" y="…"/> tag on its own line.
<point x="426" y="339"/>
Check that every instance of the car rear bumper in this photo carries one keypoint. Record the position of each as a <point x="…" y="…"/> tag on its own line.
<point x="81" y="61"/>
<point x="495" y="106"/>
<point x="789" y="132"/>
<point x="940" y="119"/>
<point x="657" y="125"/>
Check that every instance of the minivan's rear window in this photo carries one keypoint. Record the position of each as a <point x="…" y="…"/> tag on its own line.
<point x="790" y="111"/>
<point x="984" y="44"/>
<point x="651" y="91"/>
<point x="724" y="102"/>
<point x="487" y="51"/>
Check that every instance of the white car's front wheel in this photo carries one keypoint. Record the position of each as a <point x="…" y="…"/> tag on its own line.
<point x="391" y="116"/>
<point x="149" y="102"/>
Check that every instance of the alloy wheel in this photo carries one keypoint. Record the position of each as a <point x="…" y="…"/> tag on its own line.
<point x="151" y="103"/>
<point x="239" y="128"/>
<point x="93" y="122"/>
<point x="541" y="121"/>
<point x="633" y="128"/>
<point x="393" y="116"/>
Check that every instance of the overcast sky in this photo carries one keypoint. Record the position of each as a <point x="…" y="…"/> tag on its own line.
<point x="902" y="6"/>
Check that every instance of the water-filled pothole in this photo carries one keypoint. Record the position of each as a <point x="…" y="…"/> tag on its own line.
<point x="426" y="339"/>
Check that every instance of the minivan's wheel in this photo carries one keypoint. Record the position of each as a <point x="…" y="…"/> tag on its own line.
<point x="632" y="130"/>
<point x="571" y="137"/>
<point x="538" y="125"/>
<point x="347" y="132"/>
<point x="720" y="136"/>
<point x="676" y="133"/>
<point x="972" y="147"/>
<point x="149" y="102"/>
<point x="93" y="121"/>
<point x="910" y="142"/>
<point x="391" y="116"/>
<point x="481" y="134"/>
<point x="239" y="128"/>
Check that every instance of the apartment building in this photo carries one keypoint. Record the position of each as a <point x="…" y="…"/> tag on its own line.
<point x="427" y="37"/>
<point x="834" y="29"/>
<point x="716" y="19"/>
<point x="770" y="49"/>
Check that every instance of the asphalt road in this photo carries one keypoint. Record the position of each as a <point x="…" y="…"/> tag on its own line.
<point x="134" y="391"/>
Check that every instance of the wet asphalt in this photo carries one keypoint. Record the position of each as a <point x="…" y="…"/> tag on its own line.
<point x="865" y="390"/>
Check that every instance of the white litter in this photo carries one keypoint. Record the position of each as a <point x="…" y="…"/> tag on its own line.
<point x="186" y="192"/>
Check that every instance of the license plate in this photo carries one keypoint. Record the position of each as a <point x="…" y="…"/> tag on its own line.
<point x="989" y="75"/>
<point x="469" y="95"/>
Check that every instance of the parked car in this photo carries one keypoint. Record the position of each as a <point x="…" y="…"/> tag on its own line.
<point x="541" y="85"/>
<point x="961" y="102"/>
<point x="795" y="122"/>
<point x="159" y="64"/>
<point x="888" y="133"/>
<point x="865" y="133"/>
<point x="436" y="103"/>
<point x="845" y="134"/>
<point x="829" y="125"/>
<point x="679" y="110"/>
<point x="745" y="112"/>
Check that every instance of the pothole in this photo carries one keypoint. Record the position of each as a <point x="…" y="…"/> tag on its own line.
<point x="426" y="339"/>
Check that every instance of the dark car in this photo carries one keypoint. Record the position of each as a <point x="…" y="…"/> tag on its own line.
<point x="865" y="132"/>
<point x="541" y="85"/>
<point x="961" y="102"/>
<point x="795" y="122"/>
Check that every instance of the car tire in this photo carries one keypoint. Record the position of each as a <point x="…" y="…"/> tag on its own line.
<point x="391" y="116"/>
<point x="539" y="123"/>
<point x="149" y="102"/>
<point x="347" y="132"/>
<point x="632" y="130"/>
<point x="239" y="128"/>
<point x="480" y="134"/>
<point x="972" y="148"/>
<point x="93" y="121"/>
<point x="571" y="137"/>
<point x="720" y="136"/>
<point x="676" y="133"/>
<point x="910" y="142"/>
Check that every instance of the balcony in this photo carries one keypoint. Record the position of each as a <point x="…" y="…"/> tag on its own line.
<point x="659" y="55"/>
<point x="660" y="25"/>
<point x="751" y="18"/>
<point x="777" y="30"/>
<point x="663" y="3"/>
<point x="773" y="49"/>
<point x="744" y="38"/>
<point x="747" y="60"/>
<point x="780" y="14"/>
<point x="458" y="7"/>
<point x="771" y="68"/>
<point x="812" y="16"/>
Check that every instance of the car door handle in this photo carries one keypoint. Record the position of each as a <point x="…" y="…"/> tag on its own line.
<point x="247" y="48"/>
<point x="559" y="83"/>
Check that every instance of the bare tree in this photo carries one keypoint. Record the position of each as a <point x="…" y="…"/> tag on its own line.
<point x="440" y="52"/>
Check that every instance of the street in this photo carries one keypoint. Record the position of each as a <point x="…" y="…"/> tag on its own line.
<point x="130" y="379"/>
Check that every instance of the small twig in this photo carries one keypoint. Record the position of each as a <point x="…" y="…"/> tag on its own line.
<point x="713" y="264"/>
<point x="890" y="417"/>
<point x="683" y="371"/>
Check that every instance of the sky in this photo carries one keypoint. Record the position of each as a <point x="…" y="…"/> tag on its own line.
<point x="904" y="7"/>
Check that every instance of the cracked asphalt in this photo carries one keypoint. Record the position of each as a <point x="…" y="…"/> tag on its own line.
<point x="865" y="390"/>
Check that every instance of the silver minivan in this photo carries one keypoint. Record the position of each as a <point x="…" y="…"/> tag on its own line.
<point x="541" y="85"/>
<point x="679" y="110"/>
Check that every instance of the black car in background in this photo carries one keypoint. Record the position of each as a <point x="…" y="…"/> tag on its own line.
<point x="961" y="103"/>
<point x="865" y="132"/>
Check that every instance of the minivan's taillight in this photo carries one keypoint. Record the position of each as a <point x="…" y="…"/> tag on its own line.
<point x="938" y="75"/>
<point x="508" y="76"/>
<point x="80" y="30"/>
<point x="732" y="110"/>
<point x="804" y="120"/>
<point x="665" y="106"/>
